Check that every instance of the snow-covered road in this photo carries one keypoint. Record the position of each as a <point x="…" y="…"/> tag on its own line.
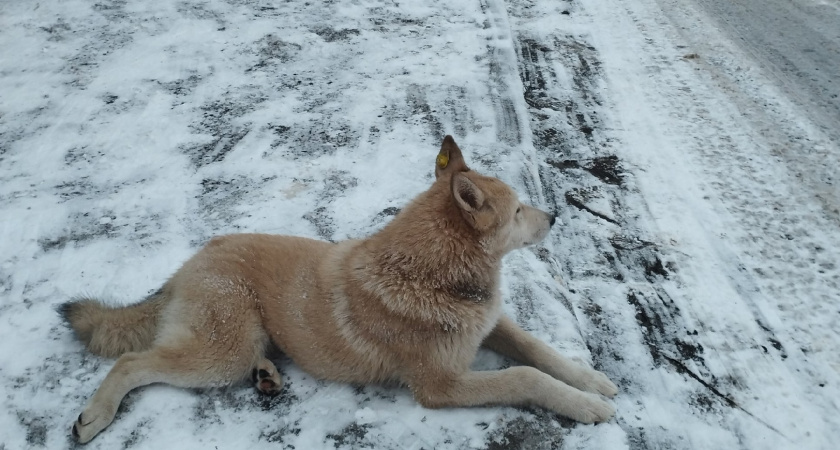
<point x="797" y="43"/>
<point x="697" y="263"/>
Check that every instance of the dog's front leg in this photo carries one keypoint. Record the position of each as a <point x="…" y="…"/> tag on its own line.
<point x="512" y="341"/>
<point x="512" y="386"/>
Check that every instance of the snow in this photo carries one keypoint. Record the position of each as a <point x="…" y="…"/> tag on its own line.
<point x="696" y="262"/>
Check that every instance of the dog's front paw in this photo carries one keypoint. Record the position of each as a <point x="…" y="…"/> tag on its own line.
<point x="89" y="424"/>
<point x="591" y="409"/>
<point x="597" y="382"/>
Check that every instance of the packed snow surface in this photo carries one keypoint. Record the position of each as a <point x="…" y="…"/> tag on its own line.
<point x="696" y="263"/>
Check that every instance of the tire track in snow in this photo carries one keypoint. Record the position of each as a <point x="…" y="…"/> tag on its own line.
<point x="751" y="213"/>
<point x="502" y="64"/>
<point x="579" y="173"/>
<point x="611" y="245"/>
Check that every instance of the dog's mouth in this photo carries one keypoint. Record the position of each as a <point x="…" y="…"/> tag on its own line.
<point x="537" y="239"/>
<point x="538" y="230"/>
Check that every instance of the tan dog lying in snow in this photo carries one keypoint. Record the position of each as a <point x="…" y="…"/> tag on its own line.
<point x="410" y="304"/>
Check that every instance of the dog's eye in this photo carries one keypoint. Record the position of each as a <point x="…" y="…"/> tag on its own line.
<point x="518" y="209"/>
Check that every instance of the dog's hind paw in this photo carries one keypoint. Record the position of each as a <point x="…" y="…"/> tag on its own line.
<point x="266" y="378"/>
<point x="89" y="424"/>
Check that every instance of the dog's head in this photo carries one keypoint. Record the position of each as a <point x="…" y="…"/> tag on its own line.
<point x="489" y="205"/>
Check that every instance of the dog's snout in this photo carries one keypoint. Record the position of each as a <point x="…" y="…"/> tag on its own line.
<point x="552" y="220"/>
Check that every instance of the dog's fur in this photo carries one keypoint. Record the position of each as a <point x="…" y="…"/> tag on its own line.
<point x="410" y="304"/>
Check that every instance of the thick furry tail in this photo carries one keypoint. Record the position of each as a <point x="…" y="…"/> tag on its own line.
<point x="111" y="331"/>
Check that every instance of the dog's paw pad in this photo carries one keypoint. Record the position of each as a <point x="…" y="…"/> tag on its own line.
<point x="267" y="386"/>
<point x="267" y="380"/>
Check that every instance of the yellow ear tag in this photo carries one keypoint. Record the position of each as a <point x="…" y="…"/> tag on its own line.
<point x="442" y="160"/>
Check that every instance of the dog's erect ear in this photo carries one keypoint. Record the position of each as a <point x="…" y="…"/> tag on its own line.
<point x="450" y="159"/>
<point x="467" y="195"/>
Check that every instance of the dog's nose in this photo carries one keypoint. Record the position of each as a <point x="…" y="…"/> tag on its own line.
<point x="553" y="219"/>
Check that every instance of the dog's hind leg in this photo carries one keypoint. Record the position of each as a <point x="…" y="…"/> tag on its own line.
<point x="178" y="367"/>
<point x="512" y="341"/>
<point x="182" y="366"/>
<point x="132" y="370"/>
<point x="210" y="347"/>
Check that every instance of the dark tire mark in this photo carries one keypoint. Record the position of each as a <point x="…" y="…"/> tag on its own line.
<point x="634" y="252"/>
<point x="508" y="128"/>
<point x="660" y="320"/>
<point x="82" y="227"/>
<point x="561" y="125"/>
<point x="220" y="200"/>
<point x="331" y="35"/>
<point x="113" y="31"/>
<point x="681" y="368"/>
<point x="273" y="51"/>
<point x="606" y="168"/>
<point x="533" y="72"/>
<point x="336" y="183"/>
<point x="219" y="120"/>
<point x="458" y="111"/>
<point x="58" y="31"/>
<point x="307" y="142"/>
<point x="200" y="11"/>
<point x="322" y="220"/>
<point x="178" y="88"/>
<point x="419" y="106"/>
<point x="521" y="433"/>
<point x="36" y="429"/>
<point x="278" y="436"/>
<point x="135" y="436"/>
<point x="216" y="150"/>
<point x="352" y="435"/>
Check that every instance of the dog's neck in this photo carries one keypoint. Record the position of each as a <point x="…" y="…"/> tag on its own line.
<point x="430" y="242"/>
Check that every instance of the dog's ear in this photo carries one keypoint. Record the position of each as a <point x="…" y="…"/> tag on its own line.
<point x="450" y="159"/>
<point x="467" y="195"/>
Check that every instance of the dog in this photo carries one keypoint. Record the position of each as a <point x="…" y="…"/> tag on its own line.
<point x="410" y="304"/>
